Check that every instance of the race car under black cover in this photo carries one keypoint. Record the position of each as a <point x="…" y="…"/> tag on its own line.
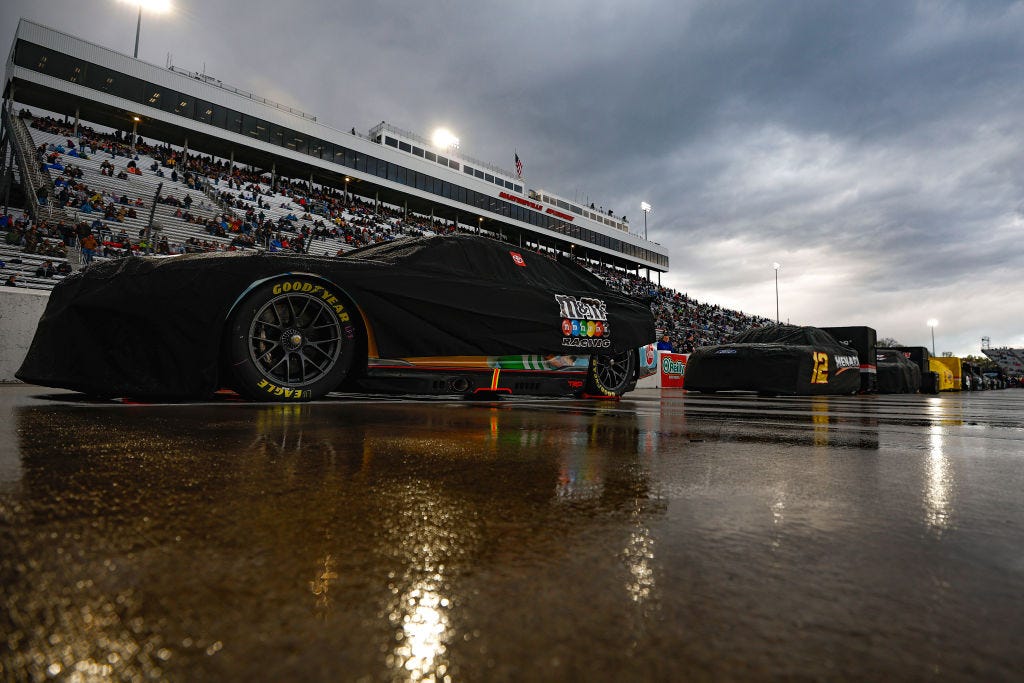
<point x="777" y="359"/>
<point x="460" y="314"/>
<point x="897" y="374"/>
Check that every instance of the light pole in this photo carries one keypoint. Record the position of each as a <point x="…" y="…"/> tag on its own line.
<point x="346" y="189"/>
<point x="776" y="266"/>
<point x="932" y="322"/>
<point x="138" y="30"/>
<point x="159" y="6"/>
<point x="135" y="131"/>
<point x="646" y="208"/>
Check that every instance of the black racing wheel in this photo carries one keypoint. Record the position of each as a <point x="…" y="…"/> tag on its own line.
<point x="291" y="340"/>
<point x="612" y="374"/>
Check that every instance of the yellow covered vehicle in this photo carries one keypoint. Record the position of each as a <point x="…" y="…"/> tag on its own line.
<point x="949" y="371"/>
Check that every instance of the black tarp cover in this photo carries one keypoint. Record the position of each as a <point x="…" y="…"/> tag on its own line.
<point x="153" y="327"/>
<point x="776" y="359"/>
<point x="897" y="374"/>
<point x="863" y="340"/>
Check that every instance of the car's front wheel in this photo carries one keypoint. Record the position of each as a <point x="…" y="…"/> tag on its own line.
<point x="290" y="340"/>
<point x="612" y="375"/>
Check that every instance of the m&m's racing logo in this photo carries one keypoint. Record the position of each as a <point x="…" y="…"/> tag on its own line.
<point x="584" y="322"/>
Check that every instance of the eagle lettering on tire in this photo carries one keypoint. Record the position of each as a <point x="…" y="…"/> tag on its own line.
<point x="612" y="374"/>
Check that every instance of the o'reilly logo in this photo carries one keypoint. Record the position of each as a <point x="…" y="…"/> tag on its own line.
<point x="671" y="366"/>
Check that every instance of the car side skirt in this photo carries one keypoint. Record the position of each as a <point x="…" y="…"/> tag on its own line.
<point x="476" y="375"/>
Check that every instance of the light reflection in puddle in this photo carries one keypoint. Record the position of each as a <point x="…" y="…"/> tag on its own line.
<point x="938" y="484"/>
<point x="639" y="555"/>
<point x="433" y="536"/>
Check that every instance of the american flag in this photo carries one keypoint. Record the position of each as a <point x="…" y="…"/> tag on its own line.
<point x="519" y="166"/>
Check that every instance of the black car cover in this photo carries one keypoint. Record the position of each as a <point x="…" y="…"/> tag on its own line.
<point x="863" y="340"/>
<point x="776" y="359"/>
<point x="153" y="326"/>
<point x="897" y="374"/>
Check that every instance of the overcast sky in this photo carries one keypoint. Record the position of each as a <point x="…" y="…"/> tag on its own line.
<point x="874" y="149"/>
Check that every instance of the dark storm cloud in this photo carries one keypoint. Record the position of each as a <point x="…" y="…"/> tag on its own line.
<point x="873" y="148"/>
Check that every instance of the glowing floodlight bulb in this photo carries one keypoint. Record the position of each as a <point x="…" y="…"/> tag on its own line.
<point x="445" y="139"/>
<point x="155" y="6"/>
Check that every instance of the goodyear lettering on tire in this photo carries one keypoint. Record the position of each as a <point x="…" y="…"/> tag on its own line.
<point x="310" y="288"/>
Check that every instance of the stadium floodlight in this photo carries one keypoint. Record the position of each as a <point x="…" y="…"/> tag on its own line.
<point x="646" y="208"/>
<point x="932" y="323"/>
<point x="155" y="6"/>
<point x="776" y="266"/>
<point x="444" y="139"/>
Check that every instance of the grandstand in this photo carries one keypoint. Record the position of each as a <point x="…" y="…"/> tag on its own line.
<point x="183" y="185"/>
<point x="60" y="73"/>
<point x="1010" y="361"/>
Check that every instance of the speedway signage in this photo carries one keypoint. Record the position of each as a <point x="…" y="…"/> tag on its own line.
<point x="673" y="370"/>
<point x="537" y="206"/>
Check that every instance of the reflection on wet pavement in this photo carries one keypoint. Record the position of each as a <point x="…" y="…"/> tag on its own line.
<point x="366" y="539"/>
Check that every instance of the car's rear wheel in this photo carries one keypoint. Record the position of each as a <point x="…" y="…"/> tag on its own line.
<point x="612" y="374"/>
<point x="290" y="340"/>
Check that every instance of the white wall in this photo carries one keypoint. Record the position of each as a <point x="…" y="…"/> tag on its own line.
<point x="20" y="310"/>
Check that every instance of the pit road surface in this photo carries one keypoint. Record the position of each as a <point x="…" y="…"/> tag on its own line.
<point x="662" y="537"/>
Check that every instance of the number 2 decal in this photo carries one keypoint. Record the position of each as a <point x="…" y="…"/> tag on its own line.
<point x="819" y="375"/>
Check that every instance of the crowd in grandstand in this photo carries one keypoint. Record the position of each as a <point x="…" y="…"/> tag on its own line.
<point x="687" y="322"/>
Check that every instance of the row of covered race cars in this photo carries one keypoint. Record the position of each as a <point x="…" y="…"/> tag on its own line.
<point x="792" y="360"/>
<point x="459" y="315"/>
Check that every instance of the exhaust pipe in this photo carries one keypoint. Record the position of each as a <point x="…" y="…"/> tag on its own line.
<point x="458" y="385"/>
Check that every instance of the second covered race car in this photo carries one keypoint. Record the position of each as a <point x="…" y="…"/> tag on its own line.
<point x="897" y="374"/>
<point x="777" y="359"/>
<point x="441" y="315"/>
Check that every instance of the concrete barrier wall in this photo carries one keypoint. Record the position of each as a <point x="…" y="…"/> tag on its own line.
<point x="20" y="310"/>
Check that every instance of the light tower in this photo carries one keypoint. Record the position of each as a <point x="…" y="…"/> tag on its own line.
<point x="776" y="266"/>
<point x="155" y="6"/>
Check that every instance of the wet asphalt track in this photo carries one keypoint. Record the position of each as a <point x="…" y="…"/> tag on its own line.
<point x="685" y="537"/>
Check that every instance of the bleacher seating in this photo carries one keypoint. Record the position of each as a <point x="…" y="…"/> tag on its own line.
<point x="1011" y="361"/>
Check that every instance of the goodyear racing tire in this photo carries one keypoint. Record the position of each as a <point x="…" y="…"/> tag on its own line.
<point x="290" y="340"/>
<point x="612" y="375"/>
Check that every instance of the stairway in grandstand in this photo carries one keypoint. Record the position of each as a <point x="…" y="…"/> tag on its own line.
<point x="287" y="212"/>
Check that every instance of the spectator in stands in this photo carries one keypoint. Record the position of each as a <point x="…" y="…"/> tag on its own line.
<point x="46" y="269"/>
<point x="665" y="344"/>
<point x="11" y="281"/>
<point x="88" y="248"/>
<point x="67" y="233"/>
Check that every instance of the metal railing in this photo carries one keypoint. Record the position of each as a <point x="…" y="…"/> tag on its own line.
<point x="217" y="83"/>
<point x="384" y="126"/>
